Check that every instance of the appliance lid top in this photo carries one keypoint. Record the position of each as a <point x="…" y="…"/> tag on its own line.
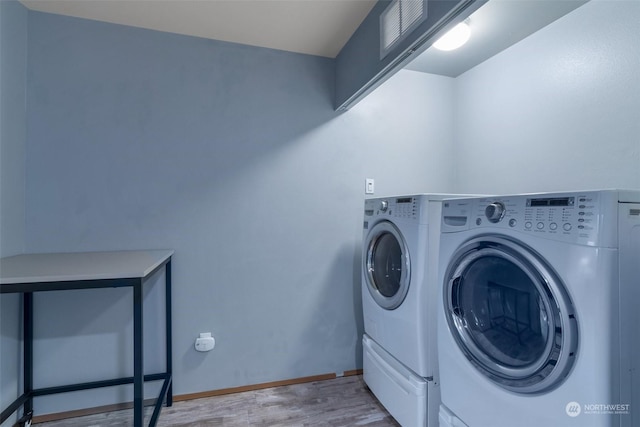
<point x="629" y="196"/>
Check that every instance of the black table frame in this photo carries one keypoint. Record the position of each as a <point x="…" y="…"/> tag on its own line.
<point x="138" y="379"/>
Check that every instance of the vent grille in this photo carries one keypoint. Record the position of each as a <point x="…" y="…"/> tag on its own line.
<point x="398" y="20"/>
<point x="391" y="29"/>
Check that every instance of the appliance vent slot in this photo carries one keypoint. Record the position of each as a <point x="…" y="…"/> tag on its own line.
<point x="398" y="20"/>
<point x="634" y="212"/>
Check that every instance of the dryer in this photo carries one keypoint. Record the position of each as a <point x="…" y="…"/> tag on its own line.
<point x="399" y="270"/>
<point x="538" y="313"/>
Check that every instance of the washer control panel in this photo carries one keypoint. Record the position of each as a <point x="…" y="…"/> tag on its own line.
<point x="571" y="217"/>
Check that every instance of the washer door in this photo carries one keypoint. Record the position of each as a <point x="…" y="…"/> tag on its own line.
<point x="387" y="266"/>
<point x="510" y="315"/>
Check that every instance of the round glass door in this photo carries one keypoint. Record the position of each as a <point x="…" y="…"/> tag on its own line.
<point x="387" y="265"/>
<point x="510" y="315"/>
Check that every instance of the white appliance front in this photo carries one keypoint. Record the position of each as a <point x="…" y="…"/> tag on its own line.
<point x="399" y="296"/>
<point x="400" y="248"/>
<point x="532" y="311"/>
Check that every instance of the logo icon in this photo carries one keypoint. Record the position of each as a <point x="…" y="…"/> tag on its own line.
<point x="573" y="409"/>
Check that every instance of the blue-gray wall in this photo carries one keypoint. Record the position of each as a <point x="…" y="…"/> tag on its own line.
<point x="13" y="63"/>
<point x="232" y="156"/>
<point x="13" y="71"/>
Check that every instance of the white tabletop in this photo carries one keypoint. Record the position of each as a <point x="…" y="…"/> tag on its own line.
<point x="59" y="267"/>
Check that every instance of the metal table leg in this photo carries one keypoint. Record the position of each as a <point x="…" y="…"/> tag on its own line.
<point x="169" y="369"/>
<point x="28" y="352"/>
<point x="138" y="371"/>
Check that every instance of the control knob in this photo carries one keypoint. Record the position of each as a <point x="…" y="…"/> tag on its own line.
<point x="384" y="205"/>
<point x="495" y="212"/>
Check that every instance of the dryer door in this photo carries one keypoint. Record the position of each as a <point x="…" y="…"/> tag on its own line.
<point x="387" y="267"/>
<point x="510" y="315"/>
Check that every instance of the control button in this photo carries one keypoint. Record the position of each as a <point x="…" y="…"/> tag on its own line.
<point x="580" y="213"/>
<point x="512" y="222"/>
<point x="566" y="226"/>
<point x="478" y="221"/>
<point x="540" y="225"/>
<point x="495" y="212"/>
<point x="580" y="219"/>
<point x="384" y="205"/>
<point x="527" y="225"/>
<point x="581" y="227"/>
<point x="553" y="226"/>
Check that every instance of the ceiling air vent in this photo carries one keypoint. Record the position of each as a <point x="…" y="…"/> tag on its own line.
<point x="398" y="20"/>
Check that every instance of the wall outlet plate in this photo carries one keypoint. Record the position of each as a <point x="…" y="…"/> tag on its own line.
<point x="205" y="342"/>
<point x="369" y="186"/>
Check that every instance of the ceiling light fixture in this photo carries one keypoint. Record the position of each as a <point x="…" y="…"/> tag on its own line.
<point x="455" y="38"/>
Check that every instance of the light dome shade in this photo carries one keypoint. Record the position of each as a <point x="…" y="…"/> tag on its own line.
<point x="455" y="38"/>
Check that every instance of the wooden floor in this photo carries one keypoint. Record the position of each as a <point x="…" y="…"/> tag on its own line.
<point x="342" y="401"/>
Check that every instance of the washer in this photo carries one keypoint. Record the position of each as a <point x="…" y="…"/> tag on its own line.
<point x="400" y="249"/>
<point x="538" y="314"/>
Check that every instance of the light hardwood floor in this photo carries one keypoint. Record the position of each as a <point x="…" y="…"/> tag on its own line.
<point x="342" y="401"/>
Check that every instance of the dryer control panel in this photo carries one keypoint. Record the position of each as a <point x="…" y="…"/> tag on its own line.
<point x="571" y="217"/>
<point x="393" y="207"/>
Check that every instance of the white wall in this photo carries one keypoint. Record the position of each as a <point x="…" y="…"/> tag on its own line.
<point x="558" y="111"/>
<point x="400" y="160"/>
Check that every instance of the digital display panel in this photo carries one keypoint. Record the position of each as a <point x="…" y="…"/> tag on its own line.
<point x="551" y="201"/>
<point x="404" y="200"/>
